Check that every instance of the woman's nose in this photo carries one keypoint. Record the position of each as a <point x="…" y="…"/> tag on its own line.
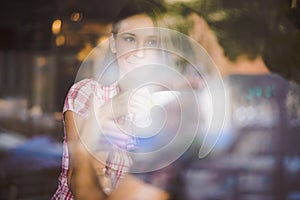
<point x="140" y="50"/>
<point x="140" y="53"/>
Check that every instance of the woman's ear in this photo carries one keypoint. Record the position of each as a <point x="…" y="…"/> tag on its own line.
<point x="112" y="44"/>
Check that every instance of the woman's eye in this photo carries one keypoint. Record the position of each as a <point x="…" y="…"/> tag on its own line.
<point x="151" y="43"/>
<point x="129" y="39"/>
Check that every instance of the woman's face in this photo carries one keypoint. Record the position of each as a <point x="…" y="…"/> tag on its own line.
<point x="135" y="43"/>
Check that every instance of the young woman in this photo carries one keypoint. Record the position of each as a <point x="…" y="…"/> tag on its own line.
<point x="91" y="107"/>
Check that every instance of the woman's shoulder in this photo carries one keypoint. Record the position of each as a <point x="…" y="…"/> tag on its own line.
<point x="91" y="86"/>
<point x="84" y="84"/>
<point x="80" y="95"/>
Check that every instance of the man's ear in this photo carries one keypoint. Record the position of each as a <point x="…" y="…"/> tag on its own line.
<point x="112" y="44"/>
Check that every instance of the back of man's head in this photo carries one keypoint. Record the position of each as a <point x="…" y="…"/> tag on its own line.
<point x="241" y="26"/>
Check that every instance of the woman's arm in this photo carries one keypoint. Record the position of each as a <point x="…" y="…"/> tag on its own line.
<point x="132" y="188"/>
<point x="86" y="172"/>
<point x="82" y="178"/>
<point x="85" y="135"/>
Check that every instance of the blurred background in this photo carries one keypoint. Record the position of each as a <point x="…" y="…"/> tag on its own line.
<point x="42" y="44"/>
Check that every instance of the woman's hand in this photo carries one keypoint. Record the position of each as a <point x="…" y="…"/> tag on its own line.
<point x="128" y="102"/>
<point x="106" y="127"/>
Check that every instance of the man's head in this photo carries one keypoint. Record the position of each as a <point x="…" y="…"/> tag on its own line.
<point x="241" y="27"/>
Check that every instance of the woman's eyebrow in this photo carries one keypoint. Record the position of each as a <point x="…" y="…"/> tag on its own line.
<point x="152" y="36"/>
<point x="130" y="34"/>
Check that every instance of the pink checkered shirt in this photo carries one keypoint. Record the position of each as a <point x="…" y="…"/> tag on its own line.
<point x="77" y="100"/>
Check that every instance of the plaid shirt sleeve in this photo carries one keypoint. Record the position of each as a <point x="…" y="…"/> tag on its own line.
<point x="78" y="101"/>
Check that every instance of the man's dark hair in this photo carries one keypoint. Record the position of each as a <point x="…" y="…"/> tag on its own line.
<point x="241" y="26"/>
